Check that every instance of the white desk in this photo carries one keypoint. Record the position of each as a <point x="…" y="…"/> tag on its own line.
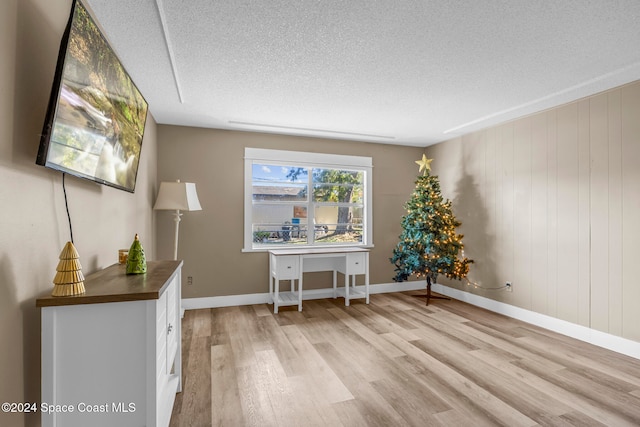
<point x="290" y="264"/>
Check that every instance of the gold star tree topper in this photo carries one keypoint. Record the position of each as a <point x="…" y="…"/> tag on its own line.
<point x="425" y="164"/>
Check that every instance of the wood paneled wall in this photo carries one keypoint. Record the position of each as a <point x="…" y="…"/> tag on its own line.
<point x="551" y="202"/>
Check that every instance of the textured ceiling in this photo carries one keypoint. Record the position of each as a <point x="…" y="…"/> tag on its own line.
<point x="397" y="72"/>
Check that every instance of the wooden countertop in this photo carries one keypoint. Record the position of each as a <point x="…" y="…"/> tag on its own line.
<point x="112" y="284"/>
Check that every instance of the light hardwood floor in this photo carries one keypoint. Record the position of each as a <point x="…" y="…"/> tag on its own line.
<point x="395" y="362"/>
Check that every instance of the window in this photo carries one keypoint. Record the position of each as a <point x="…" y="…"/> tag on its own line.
<point x="306" y="199"/>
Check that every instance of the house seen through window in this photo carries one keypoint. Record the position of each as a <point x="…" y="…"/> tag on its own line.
<point x="305" y="199"/>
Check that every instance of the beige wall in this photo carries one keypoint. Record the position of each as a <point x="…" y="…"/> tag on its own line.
<point x="211" y="240"/>
<point x="33" y="221"/>
<point x="551" y="202"/>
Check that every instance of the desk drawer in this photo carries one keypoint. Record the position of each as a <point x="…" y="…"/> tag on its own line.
<point x="287" y="267"/>
<point x="356" y="263"/>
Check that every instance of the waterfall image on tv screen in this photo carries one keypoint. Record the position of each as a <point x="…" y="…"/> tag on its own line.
<point x="96" y="116"/>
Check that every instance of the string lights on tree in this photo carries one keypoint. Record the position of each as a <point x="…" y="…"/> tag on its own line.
<point x="429" y="244"/>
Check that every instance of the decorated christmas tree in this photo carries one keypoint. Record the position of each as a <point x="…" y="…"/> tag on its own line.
<point x="429" y="244"/>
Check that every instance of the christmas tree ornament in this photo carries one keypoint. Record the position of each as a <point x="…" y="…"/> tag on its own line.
<point x="425" y="164"/>
<point x="429" y="244"/>
<point x="136" y="260"/>
<point x="68" y="280"/>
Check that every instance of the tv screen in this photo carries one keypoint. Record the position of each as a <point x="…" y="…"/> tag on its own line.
<point x="96" y="115"/>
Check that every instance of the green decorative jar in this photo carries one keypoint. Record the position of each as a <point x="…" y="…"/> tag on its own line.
<point x="136" y="261"/>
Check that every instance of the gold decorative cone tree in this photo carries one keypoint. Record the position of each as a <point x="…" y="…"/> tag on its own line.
<point x="136" y="261"/>
<point x="69" y="279"/>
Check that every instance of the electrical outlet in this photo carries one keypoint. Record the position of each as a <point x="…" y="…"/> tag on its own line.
<point x="189" y="280"/>
<point x="509" y="287"/>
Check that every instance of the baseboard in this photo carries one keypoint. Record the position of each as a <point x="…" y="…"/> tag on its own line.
<point x="263" y="298"/>
<point x="582" y="333"/>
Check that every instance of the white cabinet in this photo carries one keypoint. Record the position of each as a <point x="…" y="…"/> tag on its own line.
<point x="112" y="356"/>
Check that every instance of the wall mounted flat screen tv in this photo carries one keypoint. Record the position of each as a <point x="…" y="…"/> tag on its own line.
<point x="96" y="115"/>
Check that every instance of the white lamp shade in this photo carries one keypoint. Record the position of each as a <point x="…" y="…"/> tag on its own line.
<point x="177" y="196"/>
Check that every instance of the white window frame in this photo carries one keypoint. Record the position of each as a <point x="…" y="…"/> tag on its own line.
<point x="309" y="160"/>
